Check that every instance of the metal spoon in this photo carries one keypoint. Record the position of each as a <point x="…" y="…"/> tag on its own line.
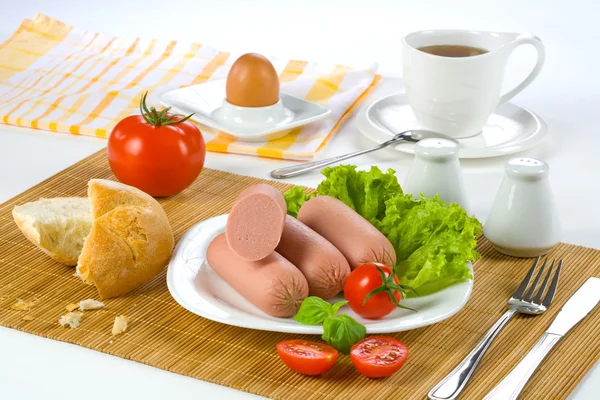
<point x="413" y="135"/>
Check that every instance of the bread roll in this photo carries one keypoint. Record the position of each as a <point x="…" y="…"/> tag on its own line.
<point x="57" y="226"/>
<point x="130" y="241"/>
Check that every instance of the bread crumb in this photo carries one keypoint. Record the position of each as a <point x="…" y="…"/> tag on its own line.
<point x="110" y="341"/>
<point x="22" y="305"/>
<point x="2" y="298"/>
<point x="72" y="307"/>
<point x="27" y="318"/>
<point x="71" y="319"/>
<point x="120" y="325"/>
<point x="90" y="304"/>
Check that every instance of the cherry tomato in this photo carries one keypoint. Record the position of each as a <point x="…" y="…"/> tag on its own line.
<point x="378" y="356"/>
<point x="306" y="357"/>
<point x="362" y="281"/>
<point x="156" y="152"/>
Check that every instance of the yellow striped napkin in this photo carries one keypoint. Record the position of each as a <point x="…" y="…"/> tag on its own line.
<point x="59" y="78"/>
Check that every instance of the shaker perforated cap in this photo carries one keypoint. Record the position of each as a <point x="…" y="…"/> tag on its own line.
<point x="527" y="168"/>
<point x="437" y="149"/>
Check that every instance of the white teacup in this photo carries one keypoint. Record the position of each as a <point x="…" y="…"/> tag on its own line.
<point x="456" y="95"/>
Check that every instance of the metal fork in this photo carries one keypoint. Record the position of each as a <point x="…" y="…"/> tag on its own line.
<point x="522" y="301"/>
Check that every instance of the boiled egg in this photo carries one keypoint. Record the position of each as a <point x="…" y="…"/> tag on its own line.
<point x="252" y="82"/>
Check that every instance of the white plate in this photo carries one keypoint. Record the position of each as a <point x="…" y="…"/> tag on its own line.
<point x="206" y="98"/>
<point x="196" y="287"/>
<point x="509" y="129"/>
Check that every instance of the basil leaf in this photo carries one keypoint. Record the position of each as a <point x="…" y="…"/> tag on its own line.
<point x="336" y="306"/>
<point x="342" y="332"/>
<point x="313" y="311"/>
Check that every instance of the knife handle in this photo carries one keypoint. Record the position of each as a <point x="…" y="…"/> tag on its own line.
<point x="512" y="385"/>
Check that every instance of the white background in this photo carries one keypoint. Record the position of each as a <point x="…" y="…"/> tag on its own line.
<point x="566" y="95"/>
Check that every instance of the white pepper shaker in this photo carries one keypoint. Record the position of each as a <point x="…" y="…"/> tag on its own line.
<point x="436" y="170"/>
<point x="523" y="221"/>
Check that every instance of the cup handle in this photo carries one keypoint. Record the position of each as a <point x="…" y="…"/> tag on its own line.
<point x="541" y="55"/>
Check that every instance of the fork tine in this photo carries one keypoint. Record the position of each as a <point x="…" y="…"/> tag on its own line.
<point x="529" y="293"/>
<point x="552" y="290"/>
<point x="538" y="297"/>
<point x="519" y="293"/>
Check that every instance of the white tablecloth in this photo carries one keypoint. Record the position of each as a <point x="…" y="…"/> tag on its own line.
<point x="566" y="95"/>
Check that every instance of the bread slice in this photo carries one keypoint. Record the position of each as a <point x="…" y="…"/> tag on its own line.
<point x="58" y="226"/>
<point x="130" y="241"/>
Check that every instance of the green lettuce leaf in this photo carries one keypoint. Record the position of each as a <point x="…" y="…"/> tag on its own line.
<point x="365" y="192"/>
<point x="294" y="198"/>
<point x="433" y="240"/>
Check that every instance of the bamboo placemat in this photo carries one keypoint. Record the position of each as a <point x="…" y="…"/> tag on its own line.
<point x="164" y="335"/>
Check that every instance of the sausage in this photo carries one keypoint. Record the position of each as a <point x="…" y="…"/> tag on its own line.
<point x="358" y="240"/>
<point x="272" y="284"/>
<point x="256" y="222"/>
<point x="323" y="266"/>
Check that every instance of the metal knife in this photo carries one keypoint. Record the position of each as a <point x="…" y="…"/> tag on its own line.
<point x="574" y="310"/>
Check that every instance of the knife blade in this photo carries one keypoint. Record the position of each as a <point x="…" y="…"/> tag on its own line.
<point x="577" y="307"/>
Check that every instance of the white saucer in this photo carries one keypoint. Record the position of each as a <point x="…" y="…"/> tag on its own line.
<point x="196" y="287"/>
<point x="206" y="101"/>
<point x="509" y="129"/>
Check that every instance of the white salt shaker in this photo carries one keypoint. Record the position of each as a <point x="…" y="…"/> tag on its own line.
<point x="523" y="221"/>
<point x="436" y="170"/>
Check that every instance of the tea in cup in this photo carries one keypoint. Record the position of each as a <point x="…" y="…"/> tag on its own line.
<point x="453" y="78"/>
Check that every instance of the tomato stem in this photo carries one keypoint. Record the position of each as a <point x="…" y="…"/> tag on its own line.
<point x="153" y="117"/>
<point x="388" y="286"/>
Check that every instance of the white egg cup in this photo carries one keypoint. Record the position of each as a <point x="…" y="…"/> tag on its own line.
<point x="251" y="117"/>
<point x="249" y="124"/>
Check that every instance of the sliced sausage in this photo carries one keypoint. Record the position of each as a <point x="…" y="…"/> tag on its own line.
<point x="354" y="236"/>
<point x="323" y="266"/>
<point x="272" y="284"/>
<point x="256" y="221"/>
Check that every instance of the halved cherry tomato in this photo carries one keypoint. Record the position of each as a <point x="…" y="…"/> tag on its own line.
<point x="366" y="279"/>
<point x="378" y="356"/>
<point x="306" y="357"/>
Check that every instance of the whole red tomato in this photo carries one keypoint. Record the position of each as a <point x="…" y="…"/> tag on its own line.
<point x="156" y="152"/>
<point x="369" y="290"/>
